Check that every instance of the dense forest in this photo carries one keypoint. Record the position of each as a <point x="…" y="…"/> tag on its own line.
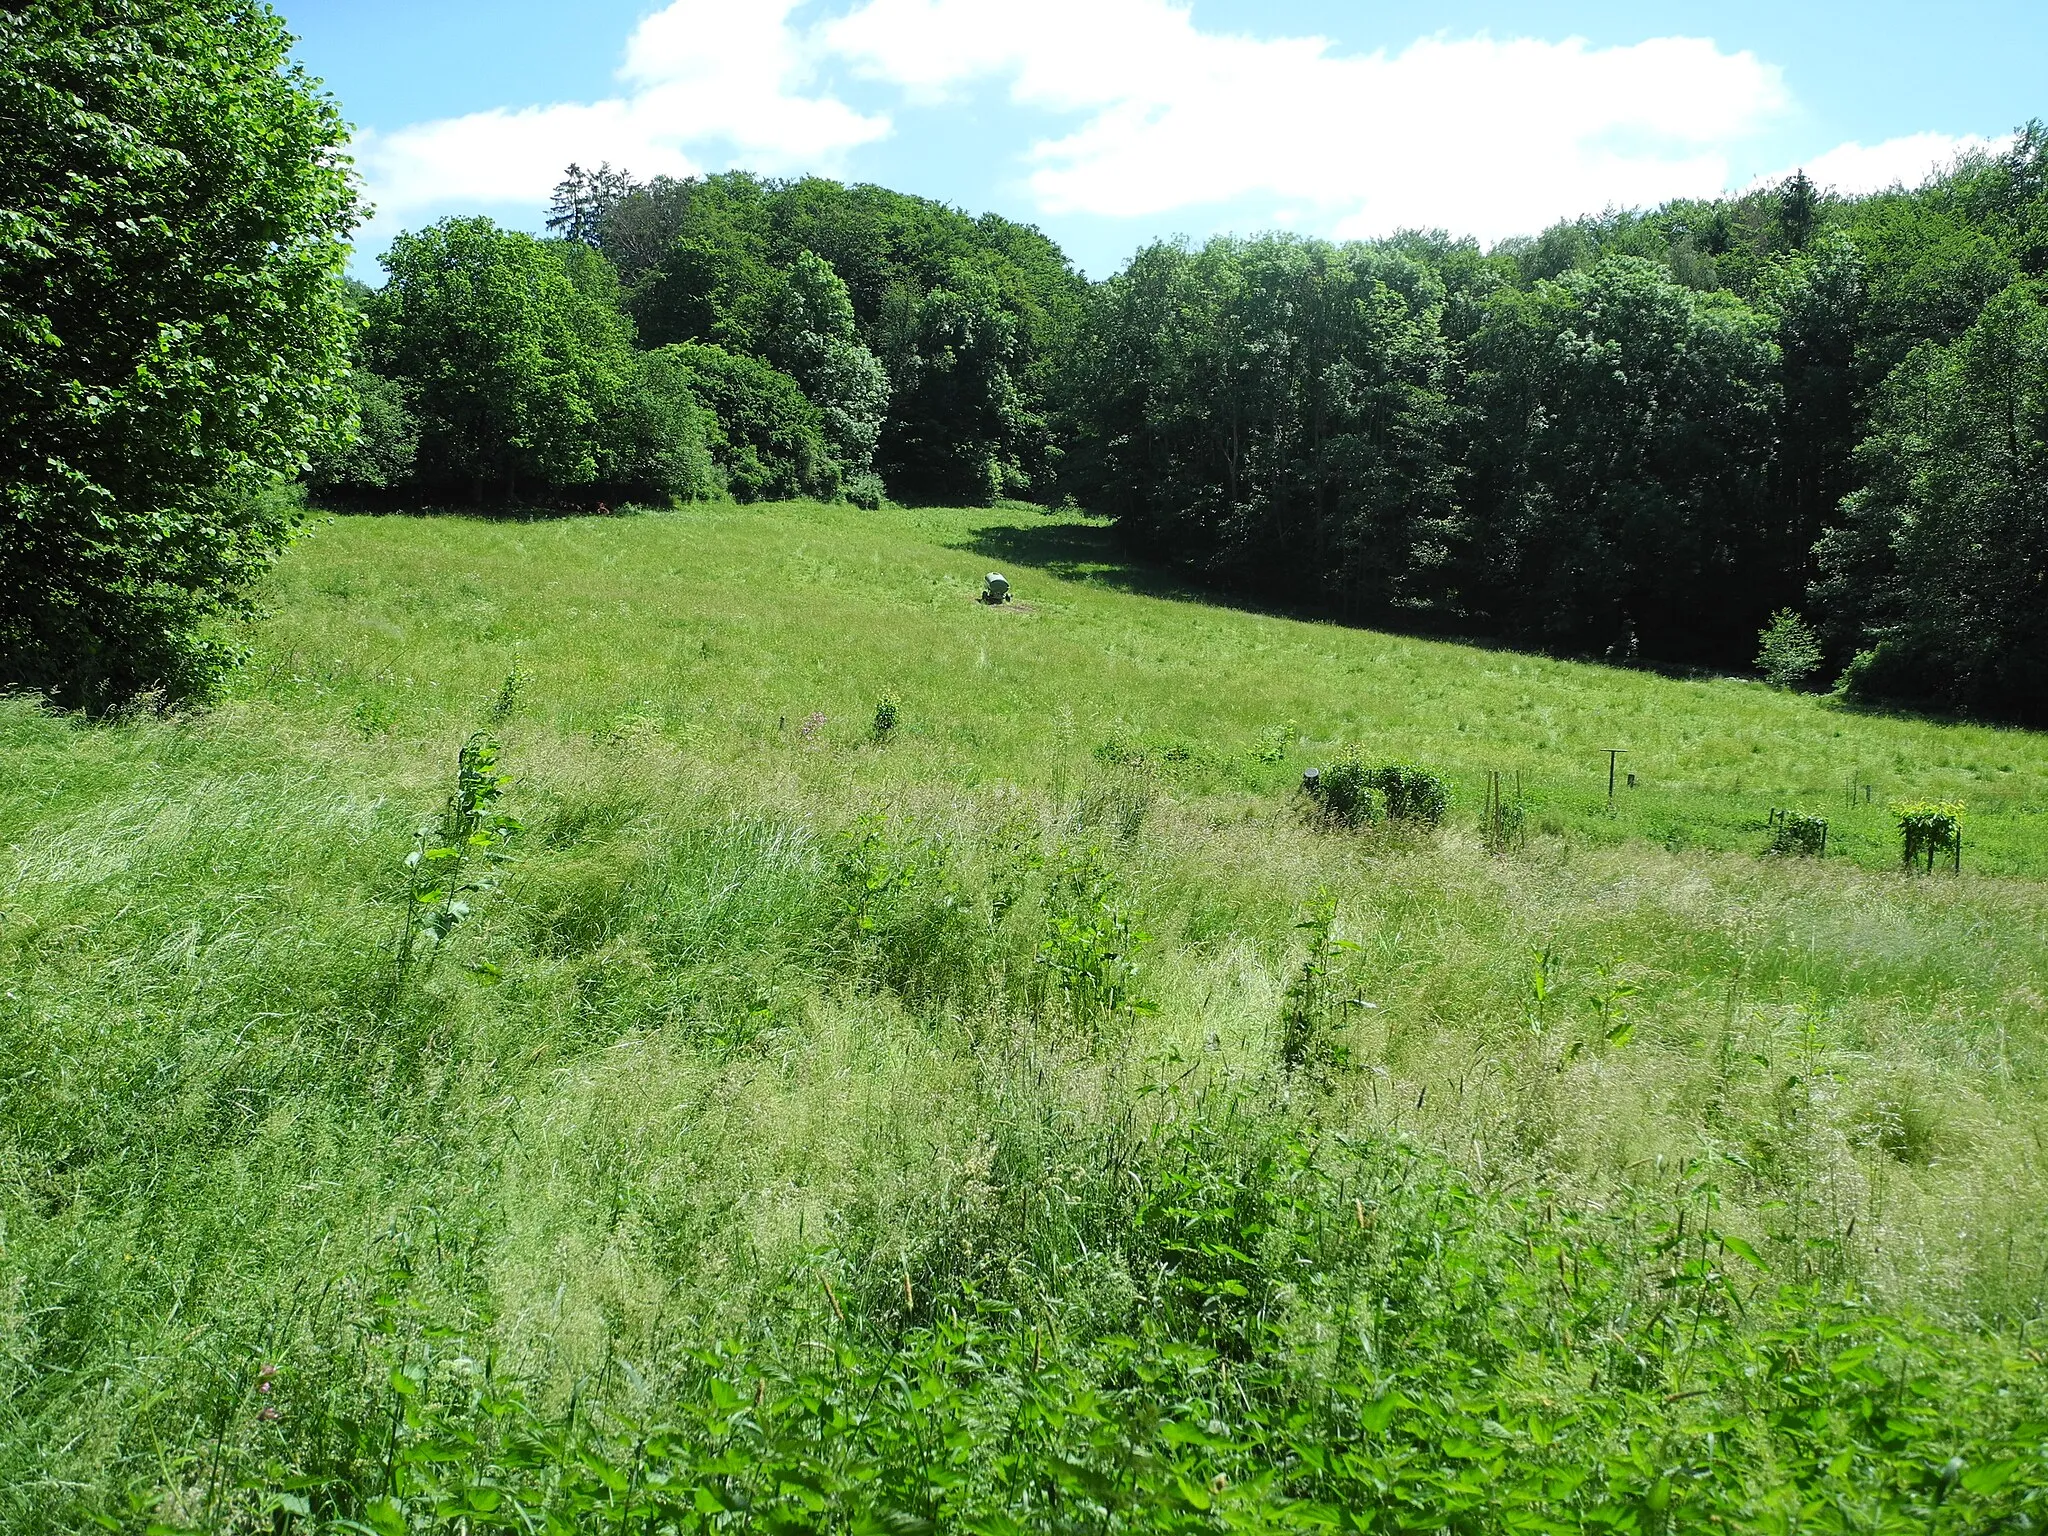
<point x="1637" y="437"/>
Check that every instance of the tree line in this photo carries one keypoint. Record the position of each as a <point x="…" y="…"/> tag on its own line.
<point x="716" y="335"/>
<point x="1642" y="436"/>
<point x="1636" y="437"/>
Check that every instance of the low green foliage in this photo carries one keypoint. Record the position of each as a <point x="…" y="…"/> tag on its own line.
<point x="1797" y="834"/>
<point x="1418" y="796"/>
<point x="1927" y="829"/>
<point x="887" y="717"/>
<point x="1504" y="824"/>
<point x="1088" y="947"/>
<point x="1346" y="793"/>
<point x="1310" y="1013"/>
<point x="1566" y="1190"/>
<point x="1342" y="794"/>
<point x="1520" y="1363"/>
<point x="1788" y="652"/>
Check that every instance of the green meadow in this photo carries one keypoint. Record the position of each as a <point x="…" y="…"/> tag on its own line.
<point x="1021" y="1116"/>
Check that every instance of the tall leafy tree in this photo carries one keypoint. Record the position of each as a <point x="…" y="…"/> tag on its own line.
<point x="513" y="367"/>
<point x="1798" y="212"/>
<point x="953" y="355"/>
<point x="583" y="199"/>
<point x="174" y="208"/>
<point x="1817" y="299"/>
<point x="722" y="259"/>
<point x="768" y="439"/>
<point x="1623" y="467"/>
<point x="818" y="344"/>
<point x="1275" y="411"/>
<point x="1939" y="572"/>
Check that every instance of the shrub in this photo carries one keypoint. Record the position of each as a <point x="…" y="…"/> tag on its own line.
<point x="1346" y="793"/>
<point x="1342" y="794"/>
<point x="1788" y="650"/>
<point x="1795" y="835"/>
<point x="172" y="330"/>
<point x="1310" y="1010"/>
<point x="455" y="858"/>
<point x="1928" y="828"/>
<point x="1503" y="826"/>
<point x="1413" y="794"/>
<point x="865" y="490"/>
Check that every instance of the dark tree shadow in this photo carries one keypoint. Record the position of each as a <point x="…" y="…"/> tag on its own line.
<point x="1092" y="553"/>
<point x="1083" y="552"/>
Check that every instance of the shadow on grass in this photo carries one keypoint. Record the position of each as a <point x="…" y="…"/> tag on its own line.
<point x="1091" y="552"/>
<point x="1086" y="552"/>
<point x="372" y="504"/>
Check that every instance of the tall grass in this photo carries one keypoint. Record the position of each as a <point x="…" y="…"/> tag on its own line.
<point x="1571" y="1186"/>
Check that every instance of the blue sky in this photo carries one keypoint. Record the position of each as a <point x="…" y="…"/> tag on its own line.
<point x="1111" y="122"/>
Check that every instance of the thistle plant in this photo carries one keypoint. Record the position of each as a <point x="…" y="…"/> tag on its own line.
<point x="887" y="718"/>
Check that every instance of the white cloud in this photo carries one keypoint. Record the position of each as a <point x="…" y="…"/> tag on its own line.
<point x="1905" y="162"/>
<point x="1481" y="135"/>
<point x="699" y="75"/>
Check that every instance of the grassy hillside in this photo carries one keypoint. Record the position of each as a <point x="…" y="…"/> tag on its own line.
<point x="1021" y="1115"/>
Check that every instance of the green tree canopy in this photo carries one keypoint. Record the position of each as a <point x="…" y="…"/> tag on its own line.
<point x="769" y="440"/>
<point x="174" y="208"/>
<point x="1272" y="408"/>
<point x="817" y="342"/>
<point x="1621" y="476"/>
<point x="1939" y="570"/>
<point x="515" y="368"/>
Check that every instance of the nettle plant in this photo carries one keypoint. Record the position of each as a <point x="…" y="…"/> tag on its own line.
<point x="455" y="858"/>
<point x="1312" y="1010"/>
<point x="1349" y="794"/>
<point x="1087" y="951"/>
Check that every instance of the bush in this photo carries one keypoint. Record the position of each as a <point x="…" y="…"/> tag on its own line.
<point x="172" y="330"/>
<point x="1349" y="794"/>
<point x="865" y="490"/>
<point x="1413" y="794"/>
<point x="1928" y="828"/>
<point x="1342" y="794"/>
<point x="1789" y="651"/>
<point x="1794" y="835"/>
